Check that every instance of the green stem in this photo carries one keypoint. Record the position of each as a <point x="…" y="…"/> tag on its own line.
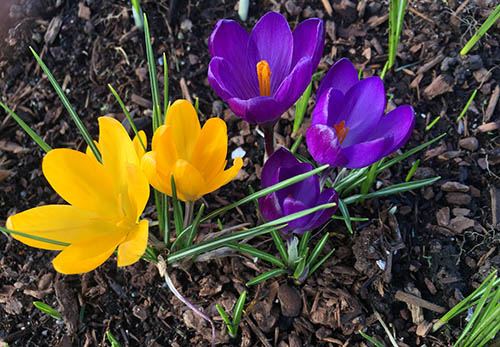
<point x="188" y="213"/>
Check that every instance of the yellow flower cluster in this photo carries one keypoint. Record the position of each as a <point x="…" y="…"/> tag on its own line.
<point x="107" y="199"/>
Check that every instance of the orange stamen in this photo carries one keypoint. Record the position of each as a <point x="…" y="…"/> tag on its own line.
<point x="341" y="130"/>
<point x="264" y="75"/>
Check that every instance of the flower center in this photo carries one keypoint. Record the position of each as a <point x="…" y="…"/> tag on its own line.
<point x="264" y="75"/>
<point x="341" y="130"/>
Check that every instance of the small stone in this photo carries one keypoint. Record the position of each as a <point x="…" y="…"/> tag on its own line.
<point x="217" y="108"/>
<point x="83" y="11"/>
<point x="424" y="172"/>
<point x="449" y="155"/>
<point x="308" y="12"/>
<point x="139" y="312"/>
<point x="443" y="216"/>
<point x="290" y="301"/>
<point x="291" y="8"/>
<point x="428" y="193"/>
<point x="186" y="25"/>
<point x="474" y="192"/>
<point x="460" y="199"/>
<point x="460" y="224"/>
<point x="458" y="211"/>
<point x="473" y="62"/>
<point x="238" y="152"/>
<point x="193" y="59"/>
<point x="469" y="143"/>
<point x="454" y="187"/>
<point x="448" y="62"/>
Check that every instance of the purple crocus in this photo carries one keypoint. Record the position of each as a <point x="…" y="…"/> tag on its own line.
<point x="297" y="197"/>
<point x="349" y="128"/>
<point x="260" y="75"/>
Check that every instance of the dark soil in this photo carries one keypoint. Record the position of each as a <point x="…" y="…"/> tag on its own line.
<point x="440" y="244"/>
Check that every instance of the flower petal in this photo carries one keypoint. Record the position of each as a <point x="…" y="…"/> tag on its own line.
<point x="328" y="108"/>
<point x="165" y="148"/>
<point x="209" y="155"/>
<point x="132" y="249"/>
<point x="148" y="166"/>
<point x="182" y="117"/>
<point x="62" y="223"/>
<point x="272" y="40"/>
<point x="342" y="76"/>
<point x="270" y="207"/>
<point x="309" y="41"/>
<point x="364" y="105"/>
<point x="295" y="84"/>
<point x="81" y="180"/>
<point x="224" y="177"/>
<point x="88" y="254"/>
<point x="189" y="183"/>
<point x="324" y="146"/>
<point x="366" y="153"/>
<point x="319" y="218"/>
<point x="290" y="206"/>
<point x="227" y="81"/>
<point x="306" y="191"/>
<point x="280" y="158"/>
<point x="137" y="144"/>
<point x="261" y="109"/>
<point x="117" y="151"/>
<point x="399" y="123"/>
<point x="138" y="192"/>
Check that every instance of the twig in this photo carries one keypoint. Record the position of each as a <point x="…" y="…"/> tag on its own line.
<point x="387" y="331"/>
<point x="416" y="301"/>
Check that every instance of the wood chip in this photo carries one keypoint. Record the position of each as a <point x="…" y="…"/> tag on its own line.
<point x="4" y="174"/>
<point x="491" y="104"/>
<point x="185" y="90"/>
<point x="139" y="100"/>
<point x="495" y="205"/>
<point x="430" y="64"/>
<point x="416" y="301"/>
<point x="488" y="127"/>
<point x="439" y="86"/>
<point x="327" y="6"/>
<point x="83" y="11"/>
<point x="53" y="29"/>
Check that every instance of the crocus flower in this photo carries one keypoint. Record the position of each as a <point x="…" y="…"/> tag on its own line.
<point x="349" y="128"/>
<point x="260" y="75"/>
<point x="297" y="197"/>
<point x="106" y="201"/>
<point x="196" y="157"/>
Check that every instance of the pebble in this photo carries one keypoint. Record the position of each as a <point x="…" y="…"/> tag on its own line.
<point x="217" y="108"/>
<point x="443" y="216"/>
<point x="460" y="199"/>
<point x="424" y="172"/>
<point x="428" y="193"/>
<point x="448" y="62"/>
<point x="186" y="25"/>
<point x="469" y="143"/>
<point x="460" y="224"/>
<point x="473" y="62"/>
<point x="454" y="187"/>
<point x="458" y="211"/>
<point x="291" y="8"/>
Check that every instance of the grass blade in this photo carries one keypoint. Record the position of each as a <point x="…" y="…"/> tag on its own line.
<point x="265" y="276"/>
<point x="256" y="253"/>
<point x="492" y="18"/>
<point x="280" y="245"/>
<point x="466" y="107"/>
<point x="33" y="237"/>
<point x="301" y="108"/>
<point x="47" y="309"/>
<point x="347" y="216"/>
<point x="69" y="108"/>
<point x="39" y="141"/>
<point x="152" y="76"/>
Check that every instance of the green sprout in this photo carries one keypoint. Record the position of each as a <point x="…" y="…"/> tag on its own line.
<point x="492" y="18"/>
<point x="232" y="325"/>
<point x="396" y="16"/>
<point x="47" y="309"/>
<point x="137" y="14"/>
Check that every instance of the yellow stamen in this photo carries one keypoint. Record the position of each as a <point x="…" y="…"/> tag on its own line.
<point x="264" y="75"/>
<point x="341" y="130"/>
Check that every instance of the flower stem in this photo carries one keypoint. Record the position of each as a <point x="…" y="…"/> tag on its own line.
<point x="188" y="213"/>
<point x="269" y="139"/>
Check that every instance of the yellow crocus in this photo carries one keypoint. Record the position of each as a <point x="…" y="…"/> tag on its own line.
<point x="195" y="156"/>
<point x="106" y="201"/>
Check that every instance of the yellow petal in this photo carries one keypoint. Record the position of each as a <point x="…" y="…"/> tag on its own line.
<point x="224" y="177"/>
<point x="139" y="149"/>
<point x="166" y="152"/>
<point x="209" y="155"/>
<point x="62" y="223"/>
<point x="157" y="136"/>
<point x="138" y="192"/>
<point x="86" y="255"/>
<point x="81" y="181"/>
<point x="148" y="166"/>
<point x="182" y="117"/>
<point x="189" y="183"/>
<point x="131" y="250"/>
<point x="117" y="151"/>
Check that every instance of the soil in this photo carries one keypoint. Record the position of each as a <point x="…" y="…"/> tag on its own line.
<point x="439" y="245"/>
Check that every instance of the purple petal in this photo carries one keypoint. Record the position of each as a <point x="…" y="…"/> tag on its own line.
<point x="222" y="78"/>
<point x="294" y="84"/>
<point x="399" y="123"/>
<point x="256" y="110"/>
<point x="367" y="153"/>
<point x="309" y="41"/>
<point x="226" y="41"/>
<point x="324" y="146"/>
<point x="272" y="40"/>
<point x="270" y="207"/>
<point x="329" y="107"/>
<point x="363" y="106"/>
<point x="306" y="190"/>
<point x="291" y="206"/>
<point x="342" y="76"/>
<point x="281" y="158"/>
<point x="327" y="196"/>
